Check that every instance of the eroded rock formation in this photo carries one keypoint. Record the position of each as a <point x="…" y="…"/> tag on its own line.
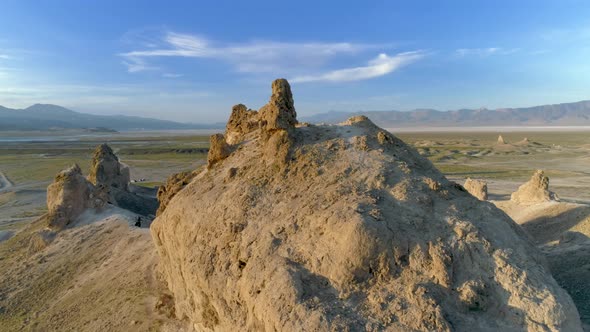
<point x="279" y="113"/>
<point x="106" y="170"/>
<point x="111" y="179"/>
<point x="345" y="227"/>
<point x="536" y="190"/>
<point x="477" y="188"/>
<point x="67" y="197"/>
<point x="71" y="193"/>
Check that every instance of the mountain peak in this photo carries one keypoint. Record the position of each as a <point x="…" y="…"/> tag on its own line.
<point x="48" y="108"/>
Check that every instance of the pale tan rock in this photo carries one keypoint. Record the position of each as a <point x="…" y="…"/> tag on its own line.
<point x="346" y="238"/>
<point x="501" y="140"/>
<point x="477" y="188"/>
<point x="105" y="169"/>
<point x="67" y="197"/>
<point x="536" y="190"/>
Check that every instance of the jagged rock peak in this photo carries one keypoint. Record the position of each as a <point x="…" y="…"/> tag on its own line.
<point x="106" y="170"/>
<point x="104" y="151"/>
<point x="536" y="190"/>
<point x="501" y="140"/>
<point x="279" y="113"/>
<point x="68" y="172"/>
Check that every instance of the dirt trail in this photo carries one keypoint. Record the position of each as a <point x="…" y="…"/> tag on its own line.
<point x="4" y="182"/>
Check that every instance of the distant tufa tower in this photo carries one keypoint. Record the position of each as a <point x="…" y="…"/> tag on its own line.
<point x="501" y="140"/>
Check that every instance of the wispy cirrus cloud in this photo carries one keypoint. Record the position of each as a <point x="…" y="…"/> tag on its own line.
<point x="304" y="61"/>
<point x="485" y="51"/>
<point x="249" y="57"/>
<point x="137" y="64"/>
<point x="382" y="65"/>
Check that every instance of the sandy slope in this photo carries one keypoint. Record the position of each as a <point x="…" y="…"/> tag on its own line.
<point x="562" y="231"/>
<point x="96" y="276"/>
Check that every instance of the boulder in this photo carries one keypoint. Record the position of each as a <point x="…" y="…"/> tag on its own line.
<point x="348" y="228"/>
<point x="477" y="188"/>
<point x="536" y="190"/>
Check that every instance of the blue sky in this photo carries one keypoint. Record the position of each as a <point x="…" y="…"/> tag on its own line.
<point x="193" y="60"/>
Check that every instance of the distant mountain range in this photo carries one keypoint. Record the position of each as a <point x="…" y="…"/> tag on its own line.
<point x="53" y="117"/>
<point x="568" y="114"/>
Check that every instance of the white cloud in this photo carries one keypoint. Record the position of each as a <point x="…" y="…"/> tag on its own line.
<point x="254" y="56"/>
<point x="136" y="64"/>
<point x="485" y="51"/>
<point x="382" y="65"/>
<point x="5" y="57"/>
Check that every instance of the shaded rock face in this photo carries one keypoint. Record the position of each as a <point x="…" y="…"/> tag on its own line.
<point x="536" y="190"/>
<point x="146" y="206"/>
<point x="106" y="170"/>
<point x="477" y="188"/>
<point x="67" y="197"/>
<point x="345" y="227"/>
